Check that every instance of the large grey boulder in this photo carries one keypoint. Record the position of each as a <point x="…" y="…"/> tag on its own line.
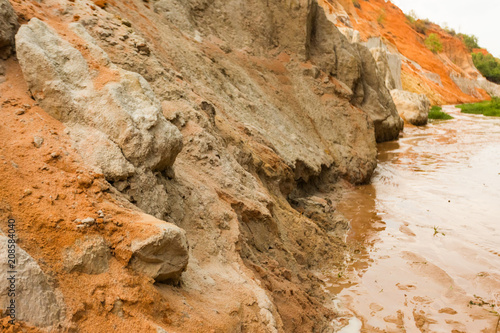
<point x="412" y="107"/>
<point x="162" y="256"/>
<point x="37" y="301"/>
<point x="8" y="28"/>
<point x="91" y="91"/>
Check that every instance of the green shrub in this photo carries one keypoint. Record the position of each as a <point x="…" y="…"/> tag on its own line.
<point x="488" y="108"/>
<point x="470" y="41"/>
<point x="488" y="66"/>
<point x="450" y="31"/>
<point x="433" y="43"/>
<point x="381" y="17"/>
<point x="436" y="113"/>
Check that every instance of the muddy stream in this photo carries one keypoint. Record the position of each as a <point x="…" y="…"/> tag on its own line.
<point x="425" y="234"/>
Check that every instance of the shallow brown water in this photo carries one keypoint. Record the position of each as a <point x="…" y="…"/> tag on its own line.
<point x="425" y="234"/>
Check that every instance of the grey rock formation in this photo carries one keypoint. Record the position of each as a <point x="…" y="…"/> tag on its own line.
<point x="302" y="27"/>
<point x="413" y="108"/>
<point x="102" y="153"/>
<point x="380" y="71"/>
<point x="162" y="256"/>
<point x="122" y="107"/>
<point x="470" y="86"/>
<point x="376" y="100"/>
<point x="388" y="63"/>
<point x="37" y="301"/>
<point x="352" y="35"/>
<point x="311" y="134"/>
<point x="491" y="88"/>
<point x="89" y="255"/>
<point x="8" y="28"/>
<point x="433" y="77"/>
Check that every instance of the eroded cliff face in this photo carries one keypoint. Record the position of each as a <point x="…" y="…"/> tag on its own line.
<point x="446" y="77"/>
<point x="174" y="165"/>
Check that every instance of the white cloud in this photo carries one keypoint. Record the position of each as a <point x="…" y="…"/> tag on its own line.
<point x="478" y="17"/>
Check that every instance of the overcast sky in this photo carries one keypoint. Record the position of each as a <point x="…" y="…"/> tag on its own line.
<point x="474" y="17"/>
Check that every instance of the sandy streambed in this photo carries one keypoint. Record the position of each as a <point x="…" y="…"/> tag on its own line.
<point x="425" y="237"/>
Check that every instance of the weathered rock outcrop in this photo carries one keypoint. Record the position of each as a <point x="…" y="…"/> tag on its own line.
<point x="388" y="63"/>
<point x="380" y="76"/>
<point x="116" y="121"/>
<point x="473" y="86"/>
<point x="8" y="28"/>
<point x="376" y="100"/>
<point x="270" y="117"/>
<point x="491" y="88"/>
<point x="162" y="256"/>
<point x="354" y="65"/>
<point x="37" y="301"/>
<point x="95" y="93"/>
<point x="90" y="256"/>
<point x="413" y="108"/>
<point x="99" y="151"/>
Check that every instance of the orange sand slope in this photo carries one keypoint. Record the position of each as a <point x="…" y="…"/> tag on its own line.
<point x="421" y="69"/>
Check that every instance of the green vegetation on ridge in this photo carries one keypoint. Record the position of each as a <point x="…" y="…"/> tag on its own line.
<point x="419" y="25"/>
<point x="433" y="43"/>
<point x="436" y="113"/>
<point x="488" y="108"/>
<point x="488" y="65"/>
<point x="470" y="41"/>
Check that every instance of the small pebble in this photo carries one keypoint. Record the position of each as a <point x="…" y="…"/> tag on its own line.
<point x="37" y="141"/>
<point x="88" y="220"/>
